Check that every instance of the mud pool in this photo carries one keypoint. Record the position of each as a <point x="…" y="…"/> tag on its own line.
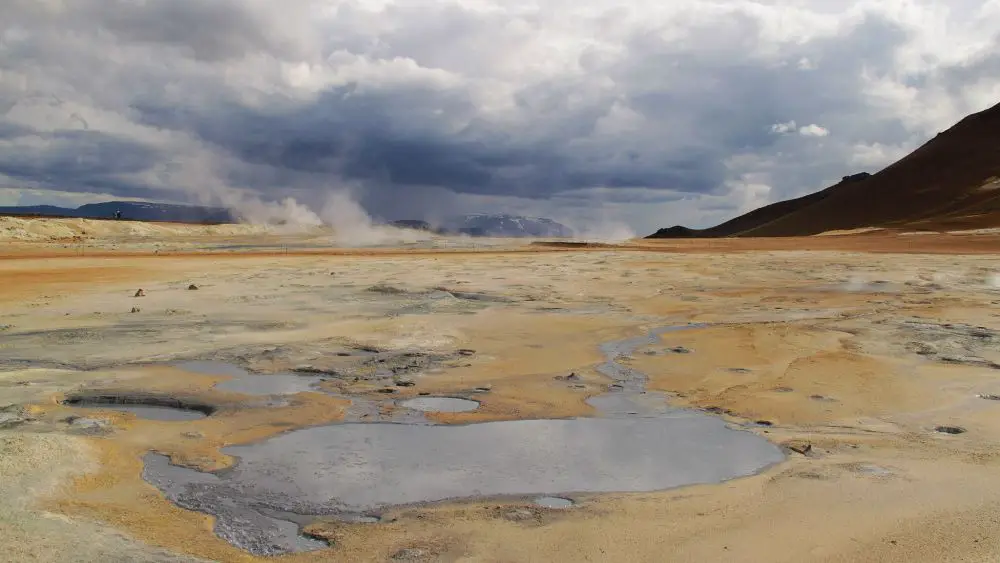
<point x="248" y="383"/>
<point x="355" y="470"/>
<point x="553" y="502"/>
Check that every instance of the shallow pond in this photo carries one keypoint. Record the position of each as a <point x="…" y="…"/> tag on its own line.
<point x="638" y="443"/>
<point x="248" y="383"/>
<point x="440" y="404"/>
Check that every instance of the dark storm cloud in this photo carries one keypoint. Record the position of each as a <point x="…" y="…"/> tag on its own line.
<point x="424" y="101"/>
<point x="385" y="135"/>
<point x="76" y="160"/>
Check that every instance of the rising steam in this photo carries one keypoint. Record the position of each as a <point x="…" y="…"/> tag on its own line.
<point x="350" y="223"/>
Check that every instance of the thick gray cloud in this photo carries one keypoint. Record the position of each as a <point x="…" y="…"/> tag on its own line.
<point x="686" y="112"/>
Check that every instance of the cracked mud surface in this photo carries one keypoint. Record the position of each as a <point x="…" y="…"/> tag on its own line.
<point x="859" y="365"/>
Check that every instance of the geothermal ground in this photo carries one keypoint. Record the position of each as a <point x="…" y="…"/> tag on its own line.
<point x="272" y="396"/>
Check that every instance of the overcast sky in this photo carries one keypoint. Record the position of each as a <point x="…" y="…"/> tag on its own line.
<point x="645" y="112"/>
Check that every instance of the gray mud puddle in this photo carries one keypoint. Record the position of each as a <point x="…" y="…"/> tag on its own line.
<point x="553" y="502"/>
<point x="248" y="383"/>
<point x="147" y="412"/>
<point x="638" y="444"/>
<point x="440" y="404"/>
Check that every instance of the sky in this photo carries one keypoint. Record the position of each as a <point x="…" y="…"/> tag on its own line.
<point x="601" y="114"/>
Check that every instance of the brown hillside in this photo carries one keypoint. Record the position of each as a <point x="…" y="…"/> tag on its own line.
<point x="951" y="182"/>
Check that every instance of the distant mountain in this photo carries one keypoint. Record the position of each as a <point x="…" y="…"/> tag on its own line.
<point x="130" y="210"/>
<point x="415" y="224"/>
<point x="484" y="225"/>
<point x="952" y="182"/>
<point x="490" y="225"/>
<point x="501" y="225"/>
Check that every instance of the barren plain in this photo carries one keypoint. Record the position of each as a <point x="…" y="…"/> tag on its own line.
<point x="871" y="360"/>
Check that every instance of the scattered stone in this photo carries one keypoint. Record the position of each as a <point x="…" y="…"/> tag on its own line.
<point x="799" y="447"/>
<point x="424" y="393"/>
<point x="466" y="352"/>
<point x="193" y="435"/>
<point x="409" y="554"/>
<point x="313" y="370"/>
<point x="13" y="416"/>
<point x="764" y="423"/>
<point x="89" y="425"/>
<point x="989" y="397"/>
<point x="950" y="429"/>
<point x="386" y="390"/>
<point x="136" y="309"/>
<point x="6" y="327"/>
<point x="571" y="377"/>
<point x="519" y="515"/>
<point x="783" y="389"/>
<point x="192" y="287"/>
<point x="483" y="389"/>
<point x="387" y="289"/>
<point x="679" y="350"/>
<point x="740" y="370"/>
<point x="823" y="398"/>
<point x="140" y="293"/>
<point x="404" y="382"/>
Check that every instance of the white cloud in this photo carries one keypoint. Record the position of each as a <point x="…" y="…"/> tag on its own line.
<point x="782" y="128"/>
<point x="813" y="130"/>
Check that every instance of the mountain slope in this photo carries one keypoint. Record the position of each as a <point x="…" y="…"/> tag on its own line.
<point x="131" y="210"/>
<point x="502" y="225"/>
<point x="951" y="182"/>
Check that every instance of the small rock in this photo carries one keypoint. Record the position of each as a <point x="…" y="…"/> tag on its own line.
<point x="823" y="398"/>
<point x="483" y="389"/>
<point x="409" y="554"/>
<point x="386" y="390"/>
<point x="573" y="377"/>
<point x="140" y="293"/>
<point x="192" y="287"/>
<point x="679" y="350"/>
<point x="740" y="370"/>
<point x="404" y="382"/>
<point x="764" y="423"/>
<point x="6" y="327"/>
<point x="783" y="389"/>
<point x="466" y="352"/>
<point x="193" y="435"/>
<point x="136" y="309"/>
<point x="519" y="515"/>
<point x="950" y="429"/>
<point x="12" y="417"/>
<point x="990" y="397"/>
<point x="802" y="448"/>
<point x="91" y="424"/>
